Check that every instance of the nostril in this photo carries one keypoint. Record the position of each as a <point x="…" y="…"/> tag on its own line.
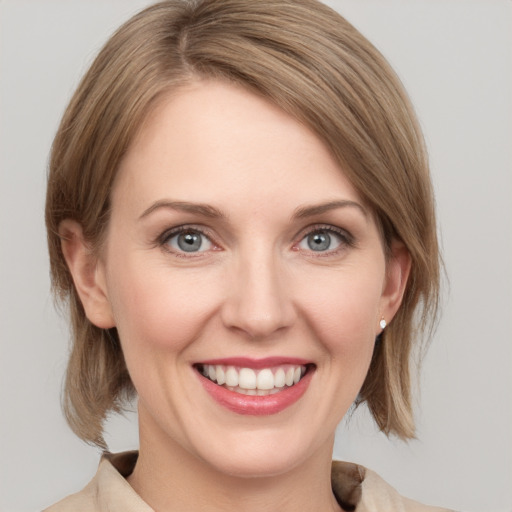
<point x="258" y="325"/>
<point x="258" y="299"/>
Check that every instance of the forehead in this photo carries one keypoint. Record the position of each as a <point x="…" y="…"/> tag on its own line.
<point x="217" y="143"/>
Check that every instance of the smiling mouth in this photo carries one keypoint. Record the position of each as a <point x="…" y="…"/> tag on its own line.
<point x="255" y="382"/>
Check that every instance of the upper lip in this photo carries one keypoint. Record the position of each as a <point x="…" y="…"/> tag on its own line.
<point x="256" y="364"/>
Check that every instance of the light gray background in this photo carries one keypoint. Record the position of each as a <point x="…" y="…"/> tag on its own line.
<point x="455" y="58"/>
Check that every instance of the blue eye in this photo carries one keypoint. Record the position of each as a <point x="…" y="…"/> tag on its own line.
<point x="321" y="240"/>
<point x="189" y="241"/>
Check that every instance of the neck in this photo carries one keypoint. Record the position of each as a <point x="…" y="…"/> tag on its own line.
<point x="170" y="479"/>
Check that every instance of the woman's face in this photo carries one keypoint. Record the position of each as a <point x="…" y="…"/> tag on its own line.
<point x="238" y="249"/>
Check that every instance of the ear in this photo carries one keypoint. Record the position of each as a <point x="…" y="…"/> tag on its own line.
<point x="398" y="268"/>
<point x="88" y="274"/>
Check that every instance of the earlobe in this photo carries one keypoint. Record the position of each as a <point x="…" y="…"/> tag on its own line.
<point x="88" y="274"/>
<point x="397" y="274"/>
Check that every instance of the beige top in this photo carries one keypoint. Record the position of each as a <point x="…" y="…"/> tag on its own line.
<point x="356" y="488"/>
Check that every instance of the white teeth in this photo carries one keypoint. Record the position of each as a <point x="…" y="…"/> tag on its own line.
<point x="247" y="378"/>
<point x="254" y="392"/>
<point x="254" y="382"/>
<point x="265" y="379"/>
<point x="231" y="377"/>
<point x="279" y="378"/>
<point x="221" y="376"/>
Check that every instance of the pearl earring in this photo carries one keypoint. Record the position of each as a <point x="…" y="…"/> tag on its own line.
<point x="383" y="324"/>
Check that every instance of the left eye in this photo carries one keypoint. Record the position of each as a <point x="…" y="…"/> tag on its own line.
<point x="321" y="240"/>
<point x="189" y="241"/>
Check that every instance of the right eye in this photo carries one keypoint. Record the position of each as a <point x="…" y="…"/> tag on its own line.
<point x="188" y="241"/>
<point x="321" y="240"/>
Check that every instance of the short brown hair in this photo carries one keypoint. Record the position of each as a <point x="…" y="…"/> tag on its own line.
<point x="309" y="61"/>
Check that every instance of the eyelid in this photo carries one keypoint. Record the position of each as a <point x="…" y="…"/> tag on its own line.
<point x="348" y="240"/>
<point x="163" y="239"/>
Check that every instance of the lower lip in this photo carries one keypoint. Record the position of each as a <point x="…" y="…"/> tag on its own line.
<point x="257" y="405"/>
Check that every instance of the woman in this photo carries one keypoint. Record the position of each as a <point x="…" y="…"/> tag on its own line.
<point x="240" y="214"/>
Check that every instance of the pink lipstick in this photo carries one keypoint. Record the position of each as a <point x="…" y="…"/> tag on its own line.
<point x="255" y="386"/>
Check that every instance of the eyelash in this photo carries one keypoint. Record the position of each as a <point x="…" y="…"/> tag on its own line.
<point x="166" y="236"/>
<point x="347" y="239"/>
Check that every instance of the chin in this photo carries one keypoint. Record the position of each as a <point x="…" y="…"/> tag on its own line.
<point x="257" y="465"/>
<point x="260" y="456"/>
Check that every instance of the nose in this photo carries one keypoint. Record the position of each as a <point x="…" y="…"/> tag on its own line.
<point x="258" y="300"/>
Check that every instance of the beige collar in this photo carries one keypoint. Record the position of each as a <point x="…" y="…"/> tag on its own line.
<point x="356" y="488"/>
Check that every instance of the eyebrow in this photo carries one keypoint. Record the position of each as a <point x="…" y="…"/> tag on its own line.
<point x="209" y="211"/>
<point x="318" y="209"/>
<point x="198" y="208"/>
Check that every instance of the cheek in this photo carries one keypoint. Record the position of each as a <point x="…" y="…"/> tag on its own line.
<point x="343" y="311"/>
<point x="157" y="309"/>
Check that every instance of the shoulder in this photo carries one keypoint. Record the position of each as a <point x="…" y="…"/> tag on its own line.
<point x="355" y="487"/>
<point x="83" y="501"/>
<point x="108" y="490"/>
<point x="362" y="490"/>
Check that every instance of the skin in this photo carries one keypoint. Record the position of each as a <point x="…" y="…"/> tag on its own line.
<point x="255" y="289"/>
